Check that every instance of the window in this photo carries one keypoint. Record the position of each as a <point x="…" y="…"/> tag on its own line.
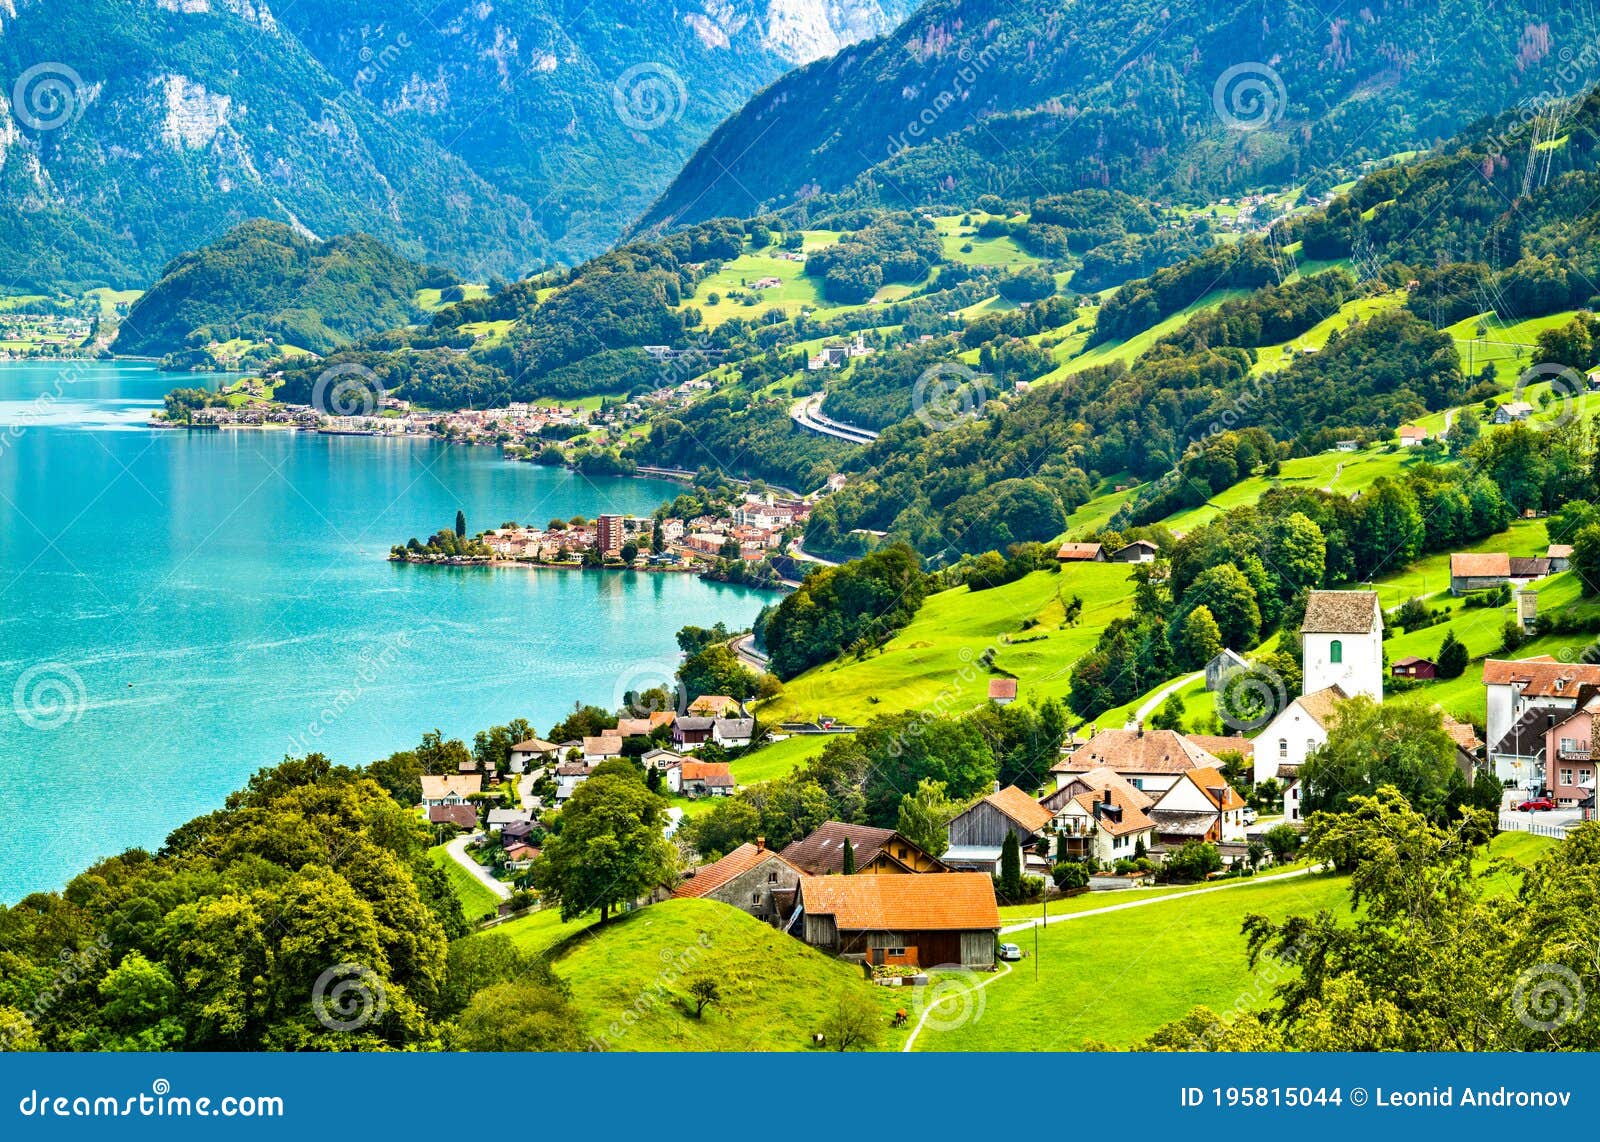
<point x="1566" y="777"/>
<point x="904" y="852"/>
<point x="755" y="898"/>
<point x="1283" y="747"/>
<point x="1336" y="651"/>
<point x="772" y="878"/>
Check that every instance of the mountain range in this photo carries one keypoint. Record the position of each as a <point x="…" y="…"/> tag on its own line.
<point x="495" y="137"/>
<point x="1187" y="98"/>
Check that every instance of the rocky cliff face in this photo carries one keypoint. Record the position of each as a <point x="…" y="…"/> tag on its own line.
<point x="494" y="135"/>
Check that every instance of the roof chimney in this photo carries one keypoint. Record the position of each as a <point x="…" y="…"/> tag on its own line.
<point x="761" y="843"/>
<point x="1141" y="727"/>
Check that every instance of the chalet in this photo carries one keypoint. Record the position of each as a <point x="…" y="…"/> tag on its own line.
<point x="515" y="831"/>
<point x="459" y="816"/>
<point x="1570" y="758"/>
<point x="691" y="733"/>
<point x="1002" y="691"/>
<point x="1139" y="551"/>
<point x="1202" y="806"/>
<point x="1513" y="687"/>
<point x="1100" y="815"/>
<point x="703" y="779"/>
<point x="1512" y="411"/>
<point x="1526" y="568"/>
<point x="873" y="852"/>
<point x="751" y="878"/>
<point x="943" y="918"/>
<point x="733" y="733"/>
<point x="452" y="790"/>
<point x="1413" y="667"/>
<point x="1150" y="760"/>
<point x="1081" y="553"/>
<point x="1296" y="730"/>
<point x="1560" y="556"/>
<point x="714" y="706"/>
<point x="977" y="836"/>
<point x="602" y="748"/>
<point x="1224" y="663"/>
<point x="1411" y="436"/>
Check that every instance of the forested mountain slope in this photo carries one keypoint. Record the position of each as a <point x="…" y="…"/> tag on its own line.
<point x="1182" y="98"/>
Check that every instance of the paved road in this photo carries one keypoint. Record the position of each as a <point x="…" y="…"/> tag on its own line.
<point x="745" y="648"/>
<point x="807" y="413"/>
<point x="1148" y="900"/>
<point x="798" y="551"/>
<point x="927" y="1011"/>
<point x="1160" y="695"/>
<point x="458" y="852"/>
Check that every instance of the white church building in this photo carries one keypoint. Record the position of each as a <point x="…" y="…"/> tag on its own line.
<point x="1341" y="656"/>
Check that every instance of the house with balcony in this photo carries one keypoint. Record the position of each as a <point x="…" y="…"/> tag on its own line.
<point x="1514" y="687"/>
<point x="1570" y="758"/>
<point x="1101" y="816"/>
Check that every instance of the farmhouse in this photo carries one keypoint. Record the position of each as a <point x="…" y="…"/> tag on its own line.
<point x="1139" y="551"/>
<point x="634" y="727"/>
<point x="1150" y="760"/>
<point x="1342" y="643"/>
<point x="602" y="748"/>
<point x="1201" y="806"/>
<point x="933" y="920"/>
<point x="1298" y="728"/>
<point x="733" y="733"/>
<point x="1225" y="663"/>
<point x="873" y="852"/>
<point x="1413" y="667"/>
<point x="713" y="706"/>
<point x="1081" y="553"/>
<point x="570" y="775"/>
<point x="453" y="790"/>
<point x="1002" y="691"/>
<point x="752" y="878"/>
<point x="1411" y="436"/>
<point x="703" y="779"/>
<point x="1511" y="411"/>
<point x="1560" y="556"/>
<point x="691" y="733"/>
<point x="978" y="835"/>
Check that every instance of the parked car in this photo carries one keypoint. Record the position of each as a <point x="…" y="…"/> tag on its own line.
<point x="1249" y="816"/>
<point x="1010" y="952"/>
<point x="1537" y="805"/>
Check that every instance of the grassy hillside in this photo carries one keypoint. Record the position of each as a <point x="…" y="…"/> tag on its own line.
<point x="477" y="902"/>
<point x="776" y="991"/>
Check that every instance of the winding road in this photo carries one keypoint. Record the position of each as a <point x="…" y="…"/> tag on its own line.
<point x="807" y="413"/>
<point x="458" y="853"/>
<point x="1160" y="696"/>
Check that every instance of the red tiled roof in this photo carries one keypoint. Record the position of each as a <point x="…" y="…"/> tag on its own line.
<point x="1216" y="788"/>
<point x="1021" y="808"/>
<point x="710" y="877"/>
<point x="1135" y="751"/>
<point x="1480" y="565"/>
<point x="1075" y="551"/>
<point x="1132" y="819"/>
<point x="1002" y="687"/>
<point x="1541" y="677"/>
<point x="932" y="902"/>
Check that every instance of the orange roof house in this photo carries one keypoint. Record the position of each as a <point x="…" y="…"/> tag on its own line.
<point x="1081" y="553"/>
<point x="751" y="878"/>
<point x="940" y="918"/>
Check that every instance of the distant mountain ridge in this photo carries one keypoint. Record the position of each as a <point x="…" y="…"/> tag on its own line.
<point x="1162" y="97"/>
<point x="496" y="137"/>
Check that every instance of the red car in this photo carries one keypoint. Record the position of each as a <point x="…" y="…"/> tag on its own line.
<point x="1537" y="805"/>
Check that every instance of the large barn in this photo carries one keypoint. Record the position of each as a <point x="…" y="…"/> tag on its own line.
<point x="930" y="920"/>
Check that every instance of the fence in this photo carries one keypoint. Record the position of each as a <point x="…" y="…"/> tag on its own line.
<point x="1519" y="824"/>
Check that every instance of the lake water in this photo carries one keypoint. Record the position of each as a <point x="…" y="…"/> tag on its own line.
<point x="180" y="608"/>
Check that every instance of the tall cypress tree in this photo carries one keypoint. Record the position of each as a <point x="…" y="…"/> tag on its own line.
<point x="849" y="857"/>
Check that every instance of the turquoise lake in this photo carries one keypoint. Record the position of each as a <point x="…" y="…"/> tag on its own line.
<point x="178" y="609"/>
